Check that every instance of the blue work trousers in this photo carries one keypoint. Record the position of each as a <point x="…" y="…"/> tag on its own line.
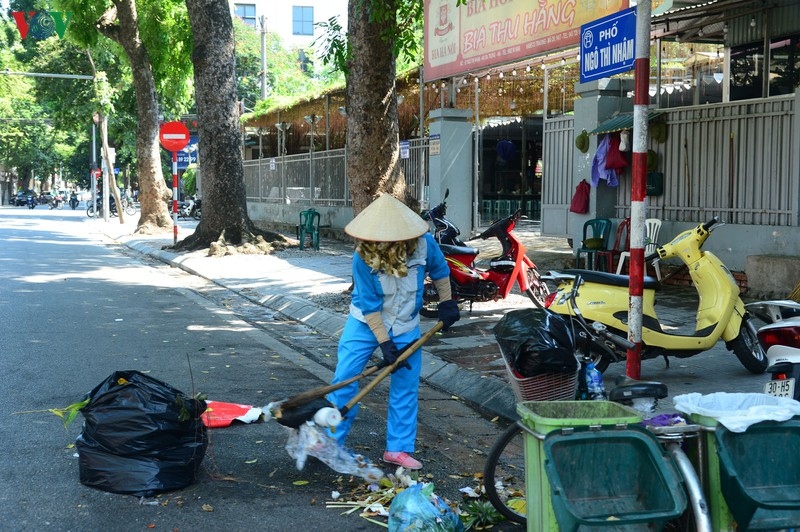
<point x="355" y="348"/>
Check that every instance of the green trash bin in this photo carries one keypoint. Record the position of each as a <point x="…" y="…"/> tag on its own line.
<point x="544" y="417"/>
<point x="707" y="411"/>
<point x="612" y="479"/>
<point x="760" y="474"/>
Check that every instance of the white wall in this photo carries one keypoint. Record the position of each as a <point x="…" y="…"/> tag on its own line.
<point x="279" y="17"/>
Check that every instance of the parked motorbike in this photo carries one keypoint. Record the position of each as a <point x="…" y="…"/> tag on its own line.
<point x="780" y="337"/>
<point x="73" y="201"/>
<point x="470" y="283"/>
<point x="721" y="314"/>
<point x="189" y="208"/>
<point x="97" y="208"/>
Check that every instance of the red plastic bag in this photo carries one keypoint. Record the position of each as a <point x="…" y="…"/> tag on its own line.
<point x="580" y="201"/>
<point x="615" y="159"/>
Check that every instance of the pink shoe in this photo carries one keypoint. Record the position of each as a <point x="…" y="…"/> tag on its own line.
<point x="402" y="459"/>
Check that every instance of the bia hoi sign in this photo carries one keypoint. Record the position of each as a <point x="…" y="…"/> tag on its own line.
<point x="608" y="45"/>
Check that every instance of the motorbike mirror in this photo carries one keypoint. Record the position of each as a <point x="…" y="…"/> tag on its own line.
<point x="446" y="193"/>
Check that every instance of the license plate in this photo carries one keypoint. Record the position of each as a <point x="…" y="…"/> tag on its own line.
<point x="783" y="388"/>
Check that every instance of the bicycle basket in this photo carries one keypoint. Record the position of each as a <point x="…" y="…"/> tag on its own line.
<point x="544" y="387"/>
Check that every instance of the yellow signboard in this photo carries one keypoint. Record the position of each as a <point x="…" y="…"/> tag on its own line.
<point x="485" y="33"/>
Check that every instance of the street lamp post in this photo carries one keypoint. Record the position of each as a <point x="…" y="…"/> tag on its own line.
<point x="311" y="120"/>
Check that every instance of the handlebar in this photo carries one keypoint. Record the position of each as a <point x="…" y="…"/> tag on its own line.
<point x="712" y="221"/>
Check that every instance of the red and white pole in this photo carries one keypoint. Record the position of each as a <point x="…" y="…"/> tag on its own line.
<point x="174" y="198"/>
<point x="639" y="187"/>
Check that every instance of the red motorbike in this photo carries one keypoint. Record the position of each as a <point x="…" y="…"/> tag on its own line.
<point x="470" y="283"/>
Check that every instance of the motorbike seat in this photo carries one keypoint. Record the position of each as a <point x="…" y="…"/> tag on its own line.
<point x="593" y="276"/>
<point x="447" y="249"/>
<point x="627" y="389"/>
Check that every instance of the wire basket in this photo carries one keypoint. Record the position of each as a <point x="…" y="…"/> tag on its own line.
<point x="545" y="387"/>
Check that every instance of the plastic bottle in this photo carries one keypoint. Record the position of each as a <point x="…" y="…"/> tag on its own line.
<point x="594" y="383"/>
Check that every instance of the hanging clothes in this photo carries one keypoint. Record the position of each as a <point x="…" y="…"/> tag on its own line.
<point x="599" y="170"/>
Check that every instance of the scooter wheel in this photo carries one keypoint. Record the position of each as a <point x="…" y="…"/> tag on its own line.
<point x="748" y="349"/>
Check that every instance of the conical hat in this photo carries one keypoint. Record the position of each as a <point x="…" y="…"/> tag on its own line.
<point x="386" y="219"/>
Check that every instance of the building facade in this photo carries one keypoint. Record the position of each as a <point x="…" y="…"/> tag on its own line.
<point x="294" y="20"/>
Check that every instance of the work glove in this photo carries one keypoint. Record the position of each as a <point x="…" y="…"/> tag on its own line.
<point x="390" y="354"/>
<point x="448" y="313"/>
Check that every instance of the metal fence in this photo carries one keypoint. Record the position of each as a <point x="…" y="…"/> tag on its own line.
<point x="734" y="160"/>
<point x="320" y="178"/>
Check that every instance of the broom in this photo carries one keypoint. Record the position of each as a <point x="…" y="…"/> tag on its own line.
<point x="302" y="407"/>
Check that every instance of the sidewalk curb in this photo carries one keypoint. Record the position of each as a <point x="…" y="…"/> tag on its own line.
<point x="490" y="395"/>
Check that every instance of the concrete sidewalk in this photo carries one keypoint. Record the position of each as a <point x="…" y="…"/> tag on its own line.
<point x="466" y="362"/>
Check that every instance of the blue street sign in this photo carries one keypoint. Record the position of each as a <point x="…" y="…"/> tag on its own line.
<point x="608" y="45"/>
<point x="188" y="155"/>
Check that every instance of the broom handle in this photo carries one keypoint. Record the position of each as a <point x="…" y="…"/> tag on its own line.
<point x="388" y="369"/>
<point x="304" y="397"/>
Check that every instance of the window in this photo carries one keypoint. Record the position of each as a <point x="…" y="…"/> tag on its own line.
<point x="246" y="12"/>
<point x="302" y="20"/>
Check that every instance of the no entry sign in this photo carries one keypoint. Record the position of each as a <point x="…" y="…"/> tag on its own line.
<point x="173" y="136"/>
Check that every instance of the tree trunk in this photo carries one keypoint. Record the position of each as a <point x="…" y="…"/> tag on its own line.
<point x="373" y="158"/>
<point x="153" y="191"/>
<point x="220" y="140"/>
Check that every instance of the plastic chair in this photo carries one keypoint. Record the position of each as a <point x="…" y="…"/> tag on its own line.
<point x="652" y="227"/>
<point x="598" y="241"/>
<point x="622" y="243"/>
<point x="309" y="226"/>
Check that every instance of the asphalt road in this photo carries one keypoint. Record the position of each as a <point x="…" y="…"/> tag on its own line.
<point x="76" y="307"/>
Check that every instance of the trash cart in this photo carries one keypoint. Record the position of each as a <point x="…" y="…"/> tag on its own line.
<point x="733" y="436"/>
<point x="584" y="460"/>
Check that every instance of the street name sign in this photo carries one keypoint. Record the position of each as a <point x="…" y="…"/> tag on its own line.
<point x="608" y="45"/>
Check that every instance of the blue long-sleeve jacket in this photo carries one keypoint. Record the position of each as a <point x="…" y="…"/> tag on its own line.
<point x="398" y="299"/>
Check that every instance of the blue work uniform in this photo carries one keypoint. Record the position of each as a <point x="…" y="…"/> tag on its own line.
<point x="399" y="300"/>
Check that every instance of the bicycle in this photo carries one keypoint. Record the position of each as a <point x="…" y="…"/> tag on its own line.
<point x="505" y="463"/>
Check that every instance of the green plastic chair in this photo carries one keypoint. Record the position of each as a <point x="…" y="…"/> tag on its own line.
<point x="595" y="242"/>
<point x="309" y="226"/>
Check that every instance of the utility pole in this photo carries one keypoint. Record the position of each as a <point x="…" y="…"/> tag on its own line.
<point x="263" y="57"/>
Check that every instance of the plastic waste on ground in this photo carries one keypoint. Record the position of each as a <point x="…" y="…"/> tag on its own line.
<point x="737" y="411"/>
<point x="312" y="440"/>
<point x="594" y="383"/>
<point x="418" y="508"/>
<point x="219" y="414"/>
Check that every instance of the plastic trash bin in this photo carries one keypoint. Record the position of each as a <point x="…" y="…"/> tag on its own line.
<point x="612" y="478"/>
<point x="739" y="411"/>
<point x="760" y="474"/>
<point x="544" y="417"/>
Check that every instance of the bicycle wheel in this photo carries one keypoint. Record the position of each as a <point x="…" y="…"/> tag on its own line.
<point x="504" y="475"/>
<point x="130" y="208"/>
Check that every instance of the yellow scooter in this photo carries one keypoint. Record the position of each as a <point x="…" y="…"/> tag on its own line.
<point x="604" y="297"/>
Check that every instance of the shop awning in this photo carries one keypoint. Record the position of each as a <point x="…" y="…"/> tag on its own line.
<point x="620" y="122"/>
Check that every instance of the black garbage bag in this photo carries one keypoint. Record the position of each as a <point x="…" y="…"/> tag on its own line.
<point x="140" y="436"/>
<point x="535" y="342"/>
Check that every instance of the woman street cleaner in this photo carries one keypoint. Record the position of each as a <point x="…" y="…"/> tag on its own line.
<point x="394" y="253"/>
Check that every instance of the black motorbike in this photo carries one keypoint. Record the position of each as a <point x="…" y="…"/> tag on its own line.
<point x="31" y="201"/>
<point x="73" y="201"/>
<point x="97" y="208"/>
